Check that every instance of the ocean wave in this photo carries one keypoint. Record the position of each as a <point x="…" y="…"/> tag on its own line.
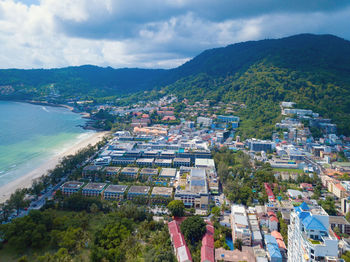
<point x="45" y="109"/>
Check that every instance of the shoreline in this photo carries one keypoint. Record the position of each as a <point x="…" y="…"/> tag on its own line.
<point x="83" y="114"/>
<point x="26" y="180"/>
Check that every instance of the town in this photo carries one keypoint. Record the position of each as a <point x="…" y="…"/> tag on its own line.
<point x="283" y="199"/>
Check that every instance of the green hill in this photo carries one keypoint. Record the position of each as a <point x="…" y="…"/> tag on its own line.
<point x="80" y="81"/>
<point x="311" y="70"/>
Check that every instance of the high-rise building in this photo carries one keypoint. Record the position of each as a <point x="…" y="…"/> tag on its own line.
<point x="309" y="237"/>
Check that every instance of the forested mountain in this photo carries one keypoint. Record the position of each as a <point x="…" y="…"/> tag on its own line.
<point x="311" y="70"/>
<point x="75" y="81"/>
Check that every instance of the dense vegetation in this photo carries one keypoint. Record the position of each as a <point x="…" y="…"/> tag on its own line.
<point x="126" y="233"/>
<point x="311" y="70"/>
<point x="71" y="82"/>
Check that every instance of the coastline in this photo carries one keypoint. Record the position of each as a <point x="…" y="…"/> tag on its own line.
<point x="85" y="115"/>
<point x="26" y="180"/>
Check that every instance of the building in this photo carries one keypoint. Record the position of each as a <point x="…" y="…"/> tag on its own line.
<point x="138" y="191"/>
<point x="130" y="171"/>
<point x="309" y="237"/>
<point x="196" y="192"/>
<point x="204" y="163"/>
<point x="273" y="221"/>
<point x="181" y="162"/>
<point x="341" y="223"/>
<point x="169" y="173"/>
<point x="269" y="193"/>
<point x="91" y="170"/>
<point x="239" y="225"/>
<point x="181" y="250"/>
<point x="149" y="172"/>
<point x="273" y="251"/>
<point x="204" y="121"/>
<point x="260" y="145"/>
<point x="161" y="194"/>
<point x="145" y="162"/>
<point x="114" y="192"/>
<point x="223" y="255"/>
<point x="207" y="249"/>
<point x="339" y="191"/>
<point x="345" y="205"/>
<point x="71" y="187"/>
<point x="111" y="170"/>
<point x="295" y="194"/>
<point x="280" y="242"/>
<point x="228" y="119"/>
<point x="93" y="189"/>
<point x="163" y="162"/>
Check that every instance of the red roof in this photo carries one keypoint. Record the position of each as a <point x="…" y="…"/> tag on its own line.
<point x="272" y="218"/>
<point x="281" y="244"/>
<point x="207" y="249"/>
<point x="178" y="240"/>
<point x="271" y="213"/>
<point x="276" y="234"/>
<point x="173" y="227"/>
<point x="207" y="254"/>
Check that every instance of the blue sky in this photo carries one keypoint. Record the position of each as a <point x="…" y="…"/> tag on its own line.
<point x="152" y="33"/>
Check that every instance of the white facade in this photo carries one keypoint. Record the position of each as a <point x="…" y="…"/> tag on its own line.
<point x="309" y="238"/>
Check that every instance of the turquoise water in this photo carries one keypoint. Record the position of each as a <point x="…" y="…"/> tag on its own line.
<point x="32" y="134"/>
<point x="229" y="242"/>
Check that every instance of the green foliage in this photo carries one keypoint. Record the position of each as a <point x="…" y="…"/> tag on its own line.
<point x="328" y="205"/>
<point x="235" y="172"/>
<point x="82" y="82"/>
<point x="193" y="229"/>
<point x="346" y="256"/>
<point x="176" y="207"/>
<point x="261" y="74"/>
<point x="238" y="244"/>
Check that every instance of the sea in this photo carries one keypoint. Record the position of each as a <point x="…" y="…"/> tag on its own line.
<point x="32" y="134"/>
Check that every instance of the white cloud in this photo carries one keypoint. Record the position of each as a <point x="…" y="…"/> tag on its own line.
<point x="153" y="33"/>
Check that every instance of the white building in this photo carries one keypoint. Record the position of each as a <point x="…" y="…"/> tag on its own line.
<point x="239" y="225"/>
<point x="204" y="121"/>
<point x="309" y="238"/>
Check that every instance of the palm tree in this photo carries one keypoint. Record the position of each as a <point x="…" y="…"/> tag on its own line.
<point x="238" y="244"/>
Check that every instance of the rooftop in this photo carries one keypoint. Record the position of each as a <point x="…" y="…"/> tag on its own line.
<point x="72" y="185"/>
<point x="145" y="160"/>
<point x="112" y="169"/>
<point x="95" y="186"/>
<point x="139" y="190"/>
<point x="116" y="188"/>
<point x="147" y="171"/>
<point x="92" y="168"/>
<point x="162" y="191"/>
<point x="130" y="169"/>
<point x="168" y="172"/>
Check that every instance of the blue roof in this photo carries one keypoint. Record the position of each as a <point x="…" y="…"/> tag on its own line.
<point x="274" y="251"/>
<point x="270" y="240"/>
<point x="312" y="223"/>
<point x="304" y="206"/>
<point x="303" y="215"/>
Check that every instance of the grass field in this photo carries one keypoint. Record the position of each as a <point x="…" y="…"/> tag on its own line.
<point x="289" y="170"/>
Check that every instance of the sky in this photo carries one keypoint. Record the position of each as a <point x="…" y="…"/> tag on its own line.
<point x="151" y="33"/>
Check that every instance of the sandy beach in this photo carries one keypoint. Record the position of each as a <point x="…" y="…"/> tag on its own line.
<point x="27" y="179"/>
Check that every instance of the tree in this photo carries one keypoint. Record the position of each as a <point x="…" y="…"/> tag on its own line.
<point x="216" y="213"/>
<point x="17" y="200"/>
<point x="176" y="207"/>
<point x="238" y="244"/>
<point x="193" y="229"/>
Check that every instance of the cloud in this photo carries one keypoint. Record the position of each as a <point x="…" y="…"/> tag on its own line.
<point x="153" y="33"/>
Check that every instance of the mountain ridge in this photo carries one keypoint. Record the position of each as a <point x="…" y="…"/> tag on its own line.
<point x="312" y="70"/>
